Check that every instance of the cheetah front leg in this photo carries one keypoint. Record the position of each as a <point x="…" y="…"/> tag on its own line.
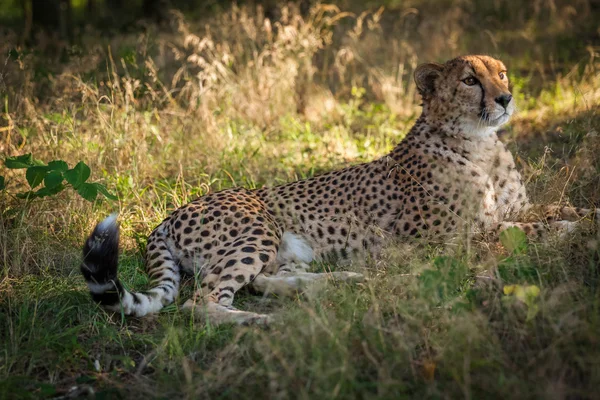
<point x="567" y="213"/>
<point x="538" y="229"/>
<point x="537" y="220"/>
<point x="217" y="314"/>
<point x="291" y="277"/>
<point x="561" y="219"/>
<point x="292" y="284"/>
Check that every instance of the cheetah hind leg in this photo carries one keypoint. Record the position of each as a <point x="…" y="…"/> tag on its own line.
<point x="215" y="305"/>
<point x="293" y="279"/>
<point x="214" y="302"/>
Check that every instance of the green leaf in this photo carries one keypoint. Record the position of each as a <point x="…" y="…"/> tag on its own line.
<point x="2" y="185"/>
<point x="127" y="361"/>
<point x="516" y="269"/>
<point x="444" y="281"/>
<point x="461" y="306"/>
<point x="26" y="195"/>
<point x="78" y="175"/>
<point x="17" y="162"/>
<point x="49" y="191"/>
<point x="102" y="189"/>
<point x="454" y="270"/>
<point x="14" y="54"/>
<point x="108" y="394"/>
<point x="35" y="175"/>
<point x="46" y="389"/>
<point x="58" y="165"/>
<point x="514" y="240"/>
<point x="88" y="191"/>
<point x="53" y="179"/>
<point x="85" y="379"/>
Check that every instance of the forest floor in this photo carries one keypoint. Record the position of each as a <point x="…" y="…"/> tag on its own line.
<point x="165" y="115"/>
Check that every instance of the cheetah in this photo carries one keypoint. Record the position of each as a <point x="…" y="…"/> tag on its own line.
<point x="450" y="173"/>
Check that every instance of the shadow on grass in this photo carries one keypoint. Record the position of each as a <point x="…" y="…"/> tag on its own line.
<point x="561" y="156"/>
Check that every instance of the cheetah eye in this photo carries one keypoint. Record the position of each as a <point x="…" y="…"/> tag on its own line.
<point x="502" y="75"/>
<point x="470" y="81"/>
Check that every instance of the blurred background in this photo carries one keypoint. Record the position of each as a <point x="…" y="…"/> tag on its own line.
<point x="374" y="43"/>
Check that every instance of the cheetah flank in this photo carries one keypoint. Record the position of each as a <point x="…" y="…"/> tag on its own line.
<point x="450" y="173"/>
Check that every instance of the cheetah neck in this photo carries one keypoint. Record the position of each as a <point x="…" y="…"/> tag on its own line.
<point x="480" y="148"/>
<point x="455" y="127"/>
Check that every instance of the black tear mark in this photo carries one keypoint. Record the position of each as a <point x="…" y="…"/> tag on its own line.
<point x="482" y="113"/>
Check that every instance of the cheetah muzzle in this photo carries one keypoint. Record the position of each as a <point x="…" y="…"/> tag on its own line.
<point x="450" y="174"/>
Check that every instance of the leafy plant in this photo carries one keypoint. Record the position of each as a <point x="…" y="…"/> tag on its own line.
<point x="526" y="294"/>
<point x="514" y="240"/>
<point x="55" y="176"/>
<point x="445" y="279"/>
<point x="517" y="266"/>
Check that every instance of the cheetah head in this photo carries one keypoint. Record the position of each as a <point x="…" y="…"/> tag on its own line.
<point x="468" y="93"/>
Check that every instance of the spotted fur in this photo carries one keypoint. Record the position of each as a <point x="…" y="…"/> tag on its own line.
<point x="450" y="174"/>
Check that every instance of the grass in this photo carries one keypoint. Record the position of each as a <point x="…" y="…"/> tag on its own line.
<point x="166" y="115"/>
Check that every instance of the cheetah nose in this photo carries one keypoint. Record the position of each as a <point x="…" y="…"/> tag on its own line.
<point x="504" y="99"/>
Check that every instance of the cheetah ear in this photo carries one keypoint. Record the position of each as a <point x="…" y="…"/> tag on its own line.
<point x="425" y="76"/>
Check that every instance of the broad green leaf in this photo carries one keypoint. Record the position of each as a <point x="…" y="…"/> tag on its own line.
<point x="443" y="282"/>
<point x="58" y="165"/>
<point x="461" y="306"/>
<point x="514" y="240"/>
<point x="88" y="191"/>
<point x="532" y="310"/>
<point x="125" y="360"/>
<point x="516" y="269"/>
<point x="17" y="162"/>
<point x="46" y="389"/>
<point x="102" y="189"/>
<point x="509" y="289"/>
<point x="14" y="54"/>
<point x="35" y="175"/>
<point x="49" y="191"/>
<point x="532" y="291"/>
<point x="26" y="195"/>
<point x="78" y="175"/>
<point x="85" y="379"/>
<point x="2" y="185"/>
<point x="53" y="179"/>
<point x="522" y="292"/>
<point x="431" y="284"/>
<point x="526" y="294"/>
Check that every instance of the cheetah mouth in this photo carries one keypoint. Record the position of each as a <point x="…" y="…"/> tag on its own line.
<point x="497" y="121"/>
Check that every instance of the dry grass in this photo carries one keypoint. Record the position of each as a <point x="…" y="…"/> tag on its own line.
<point x="166" y="115"/>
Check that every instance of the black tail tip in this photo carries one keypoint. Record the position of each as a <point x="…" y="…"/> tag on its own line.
<point x="101" y="252"/>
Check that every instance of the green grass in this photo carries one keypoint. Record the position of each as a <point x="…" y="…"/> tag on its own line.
<point x="431" y="322"/>
<point x="424" y="326"/>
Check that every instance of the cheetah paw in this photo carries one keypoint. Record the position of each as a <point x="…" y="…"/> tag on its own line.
<point x="347" y="276"/>
<point x="564" y="228"/>
<point x="262" y="320"/>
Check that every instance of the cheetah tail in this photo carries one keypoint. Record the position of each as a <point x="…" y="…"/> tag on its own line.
<point x="100" y="263"/>
<point x="99" y="268"/>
